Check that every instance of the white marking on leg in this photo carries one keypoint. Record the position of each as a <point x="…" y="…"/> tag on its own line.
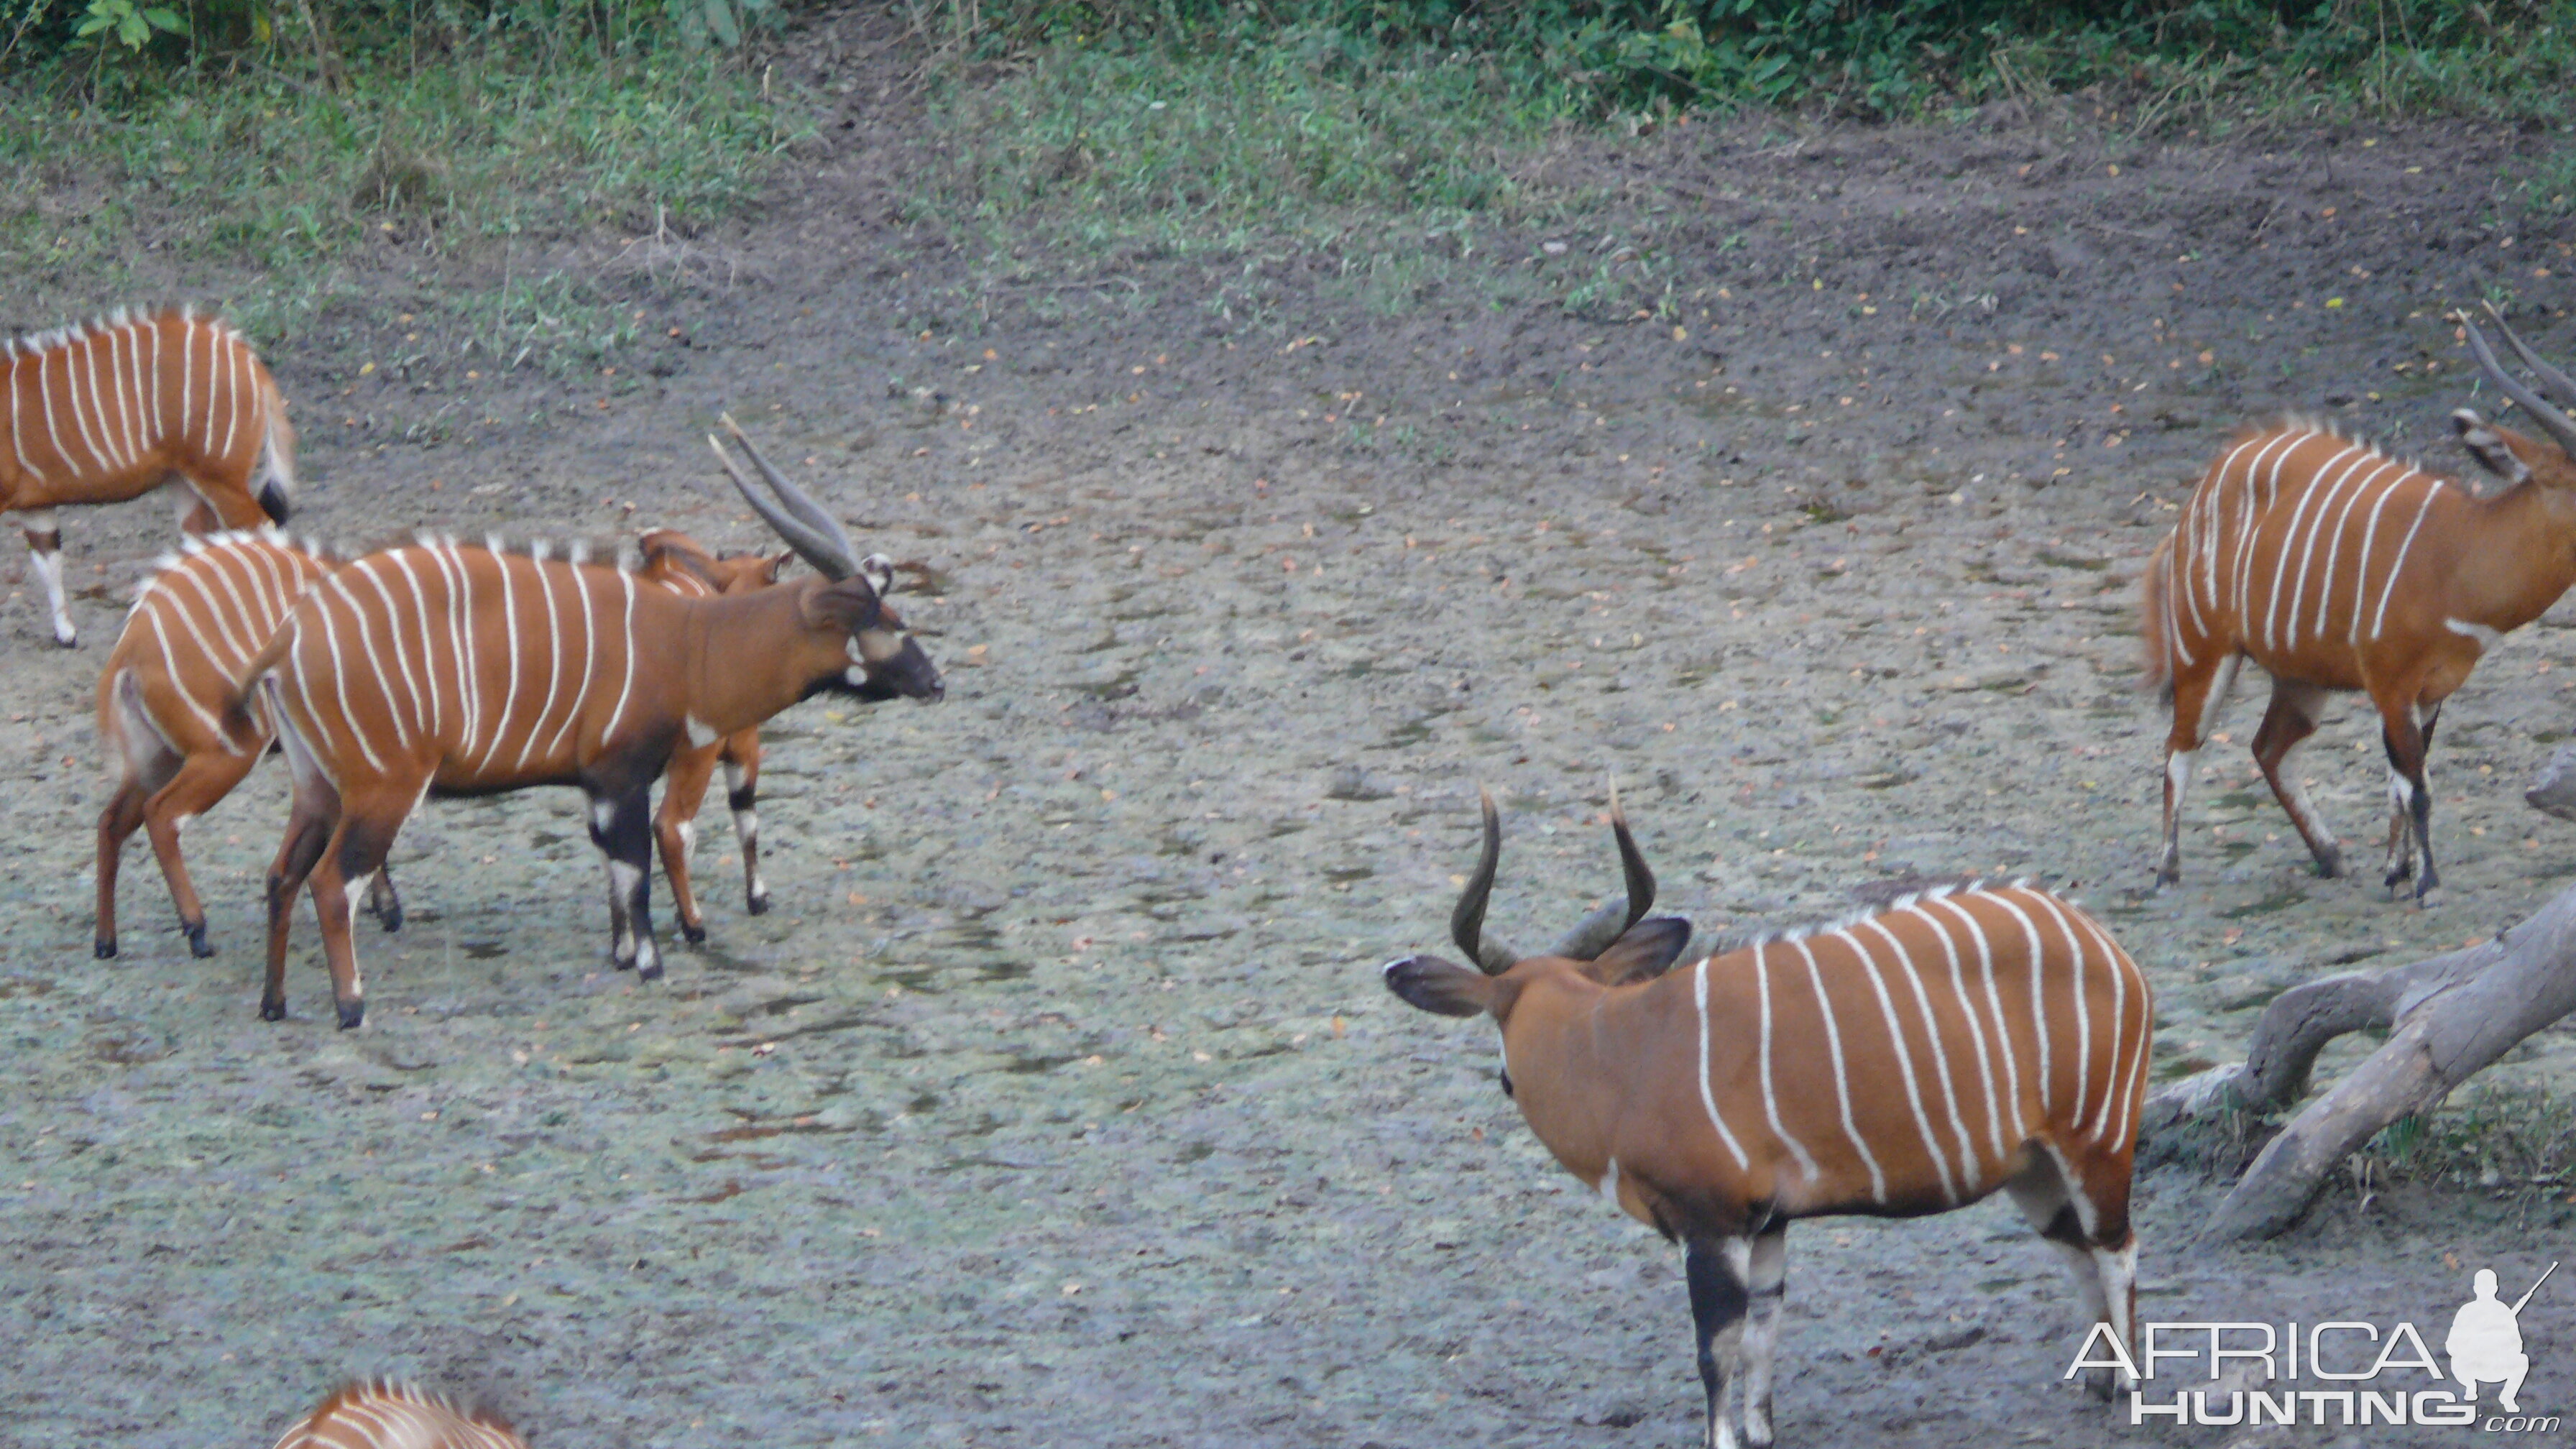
<point x="688" y="833"/>
<point x="49" y="568"/>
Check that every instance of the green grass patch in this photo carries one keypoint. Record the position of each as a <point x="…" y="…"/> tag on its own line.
<point x="265" y="176"/>
<point x="2514" y="1141"/>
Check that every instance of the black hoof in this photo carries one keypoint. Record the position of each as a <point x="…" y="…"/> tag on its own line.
<point x="694" y="935"/>
<point x="2329" y="867"/>
<point x="272" y="1011"/>
<point x="759" y="905"/>
<point x="651" y="972"/>
<point x="352" y="1014"/>
<point x="391" y="919"/>
<point x="73" y="643"/>
<point x="105" y="946"/>
<point x="198" y="945"/>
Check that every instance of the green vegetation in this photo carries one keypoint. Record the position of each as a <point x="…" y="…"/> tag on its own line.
<point x="2513" y="1142"/>
<point x="1196" y="122"/>
<point x="241" y="142"/>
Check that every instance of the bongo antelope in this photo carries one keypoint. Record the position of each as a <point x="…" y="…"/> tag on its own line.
<point x="209" y="607"/>
<point x="681" y="564"/>
<point x="436" y="668"/>
<point x="112" y="410"/>
<point x="196" y="621"/>
<point x="388" y="1415"/>
<point x="1906" y="1062"/>
<point x="2337" y="567"/>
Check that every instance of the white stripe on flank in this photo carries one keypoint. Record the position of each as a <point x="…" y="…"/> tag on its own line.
<point x="170" y="669"/>
<point x="223" y="618"/>
<point x="47" y="387"/>
<point x="2329" y="586"/>
<point x="187" y="383"/>
<point x="2249" y="511"/>
<point x="160" y="425"/>
<point x="93" y="414"/>
<point x="609" y="731"/>
<point x="129" y="392"/>
<point x="554" y="660"/>
<point x="1842" y="1074"/>
<point x="1708" y="1098"/>
<point x="589" y="655"/>
<point x="2398" y="565"/>
<point x="235" y="350"/>
<point x="2289" y="540"/>
<point x="453" y="663"/>
<point x="2178" y="579"/>
<point x="394" y="712"/>
<point x="1770" y="1093"/>
<point x="2325" y="499"/>
<point x="1904" y="1061"/>
<point x="339" y="682"/>
<point x="17" y="440"/>
<point x="80" y="416"/>
<point x="469" y="663"/>
<point x="2004" y="1046"/>
<point x="2119" y="969"/>
<point x="2083" y="1007"/>
<point x="510" y="628"/>
<point x="1968" y="1174"/>
<point x="1976" y="1030"/>
<point x="397" y="628"/>
<point x="2038" y="998"/>
<point x="421" y="629"/>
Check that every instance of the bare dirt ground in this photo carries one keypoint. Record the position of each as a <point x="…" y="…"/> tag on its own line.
<point x="1058" y="1102"/>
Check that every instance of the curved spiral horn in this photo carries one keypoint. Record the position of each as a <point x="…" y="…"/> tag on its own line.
<point x="2551" y="420"/>
<point x="814" y="534"/>
<point x="2555" y="384"/>
<point x="1467" y="920"/>
<point x="1595" y="932"/>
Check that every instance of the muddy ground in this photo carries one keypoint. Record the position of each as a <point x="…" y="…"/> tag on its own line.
<point x="1058" y="1102"/>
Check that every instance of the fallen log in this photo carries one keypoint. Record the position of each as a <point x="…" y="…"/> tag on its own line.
<point x="2448" y="1017"/>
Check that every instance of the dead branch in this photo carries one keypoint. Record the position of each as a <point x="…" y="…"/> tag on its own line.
<point x="2449" y="1016"/>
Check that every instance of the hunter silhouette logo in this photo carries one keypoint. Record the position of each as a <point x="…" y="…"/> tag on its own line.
<point x="2347" y="1373"/>
<point x="2486" y="1340"/>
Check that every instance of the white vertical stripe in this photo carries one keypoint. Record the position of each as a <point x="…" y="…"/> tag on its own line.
<point x="99" y="462"/>
<point x="234" y="401"/>
<point x="2325" y="497"/>
<point x="2077" y="975"/>
<point x="1968" y="1173"/>
<point x="424" y="622"/>
<point x="340" y="683"/>
<point x="1842" y="1075"/>
<point x="1770" y="1090"/>
<point x="1707" y="1098"/>
<point x="1904" y="1059"/>
<point x="2038" y="995"/>
<point x="17" y="410"/>
<point x="2280" y="552"/>
<point x="627" y="684"/>
<point x="2004" y="1046"/>
<point x="1976" y="1029"/>
<point x="399" y="630"/>
<point x="589" y="655"/>
<point x="160" y="423"/>
<point x="554" y="660"/>
<point x="2329" y="585"/>
<point x="469" y="663"/>
<point x="393" y="710"/>
<point x="510" y="629"/>
<point x="2398" y="565"/>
